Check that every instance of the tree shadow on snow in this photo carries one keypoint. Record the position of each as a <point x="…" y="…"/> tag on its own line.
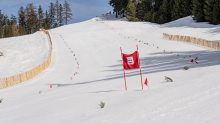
<point x="161" y="62"/>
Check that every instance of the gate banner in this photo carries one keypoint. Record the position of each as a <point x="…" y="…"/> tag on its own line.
<point x="130" y="61"/>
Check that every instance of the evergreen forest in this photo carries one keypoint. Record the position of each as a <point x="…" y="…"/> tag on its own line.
<point x="163" y="11"/>
<point x="30" y="19"/>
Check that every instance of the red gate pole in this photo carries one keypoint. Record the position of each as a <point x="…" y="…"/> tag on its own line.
<point x="140" y="68"/>
<point x="123" y="70"/>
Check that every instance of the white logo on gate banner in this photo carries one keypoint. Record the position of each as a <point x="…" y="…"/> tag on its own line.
<point x="130" y="60"/>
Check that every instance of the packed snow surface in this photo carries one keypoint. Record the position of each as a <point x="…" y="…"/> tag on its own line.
<point x="93" y="72"/>
<point x="23" y="53"/>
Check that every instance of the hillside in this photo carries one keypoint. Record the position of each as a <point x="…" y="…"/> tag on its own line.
<point x="97" y="65"/>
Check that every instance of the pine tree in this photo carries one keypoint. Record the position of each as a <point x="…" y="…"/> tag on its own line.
<point x="31" y="18"/>
<point x="198" y="10"/>
<point x="22" y="30"/>
<point x="21" y="17"/>
<point x="170" y="10"/>
<point x="52" y="15"/>
<point x="13" y="19"/>
<point x="13" y="24"/>
<point x="147" y="7"/>
<point x="148" y="16"/>
<point x="5" y="23"/>
<point x="1" y="18"/>
<point x="1" y="31"/>
<point x="15" y="29"/>
<point x="60" y="16"/>
<point x="5" y="20"/>
<point x="177" y="10"/>
<point x="155" y="17"/>
<point x="116" y="5"/>
<point x="119" y="6"/>
<point x="157" y="5"/>
<point x="212" y="11"/>
<point x="21" y="22"/>
<point x="216" y="13"/>
<point x="171" y="3"/>
<point x="40" y="17"/>
<point x="181" y="8"/>
<point x="208" y="10"/>
<point x="140" y="13"/>
<point x="57" y="9"/>
<point x="147" y="4"/>
<point x="164" y="12"/>
<point x="187" y="7"/>
<point x="1" y="22"/>
<point x="112" y="3"/>
<point x="67" y="12"/>
<point x="123" y="4"/>
<point x="131" y="11"/>
<point x="47" y="24"/>
<point x="8" y="31"/>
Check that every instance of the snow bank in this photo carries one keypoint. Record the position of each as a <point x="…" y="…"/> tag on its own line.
<point x="23" y="53"/>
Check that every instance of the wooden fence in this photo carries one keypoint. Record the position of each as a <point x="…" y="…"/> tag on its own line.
<point x="199" y="41"/>
<point x="14" y="80"/>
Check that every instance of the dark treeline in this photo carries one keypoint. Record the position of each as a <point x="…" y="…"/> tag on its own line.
<point x="163" y="11"/>
<point x="30" y="19"/>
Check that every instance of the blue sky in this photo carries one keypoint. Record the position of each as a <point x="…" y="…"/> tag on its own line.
<point x="82" y="9"/>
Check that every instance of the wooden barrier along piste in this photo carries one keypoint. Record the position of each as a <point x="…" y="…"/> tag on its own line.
<point x="19" y="78"/>
<point x="199" y="41"/>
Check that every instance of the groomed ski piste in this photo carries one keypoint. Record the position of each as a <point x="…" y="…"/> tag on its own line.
<point x="93" y="72"/>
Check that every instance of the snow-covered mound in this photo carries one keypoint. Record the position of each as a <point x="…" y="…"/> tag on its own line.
<point x="187" y="26"/>
<point x="23" y="53"/>
<point x="188" y="22"/>
<point x="86" y="69"/>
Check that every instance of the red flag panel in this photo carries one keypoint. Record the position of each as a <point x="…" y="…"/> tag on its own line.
<point x="131" y="61"/>
<point x="146" y="83"/>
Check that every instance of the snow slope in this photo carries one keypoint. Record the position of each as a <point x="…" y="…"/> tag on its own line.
<point x="23" y="53"/>
<point x="192" y="97"/>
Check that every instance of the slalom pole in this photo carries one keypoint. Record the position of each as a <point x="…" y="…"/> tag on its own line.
<point x="123" y="70"/>
<point x="140" y="67"/>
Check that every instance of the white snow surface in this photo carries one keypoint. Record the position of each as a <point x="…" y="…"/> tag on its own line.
<point x="23" y="53"/>
<point x="193" y="97"/>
